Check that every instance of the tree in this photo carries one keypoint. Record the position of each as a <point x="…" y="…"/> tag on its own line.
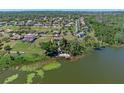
<point x="71" y="47"/>
<point x="119" y="37"/>
<point x="50" y="47"/>
<point x="74" y="47"/>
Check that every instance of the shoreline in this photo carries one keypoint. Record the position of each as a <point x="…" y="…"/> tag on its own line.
<point x="118" y="46"/>
<point x="44" y="62"/>
<point x="53" y="59"/>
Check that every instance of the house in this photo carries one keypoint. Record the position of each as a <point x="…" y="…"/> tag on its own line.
<point x="29" y="38"/>
<point x="21" y="23"/>
<point x="64" y="55"/>
<point x="1" y="30"/>
<point x="56" y="32"/>
<point x="57" y="36"/>
<point x="82" y="21"/>
<point x="42" y="33"/>
<point x="16" y="36"/>
<point x="38" y="24"/>
<point x="29" y="23"/>
<point x="2" y="23"/>
<point x="32" y="31"/>
<point x="8" y="30"/>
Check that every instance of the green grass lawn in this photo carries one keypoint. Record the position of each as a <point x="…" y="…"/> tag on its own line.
<point x="10" y="27"/>
<point x="27" y="47"/>
<point x="40" y="28"/>
<point x="16" y="28"/>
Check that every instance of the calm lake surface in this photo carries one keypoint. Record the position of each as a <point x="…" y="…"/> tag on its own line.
<point x="104" y="66"/>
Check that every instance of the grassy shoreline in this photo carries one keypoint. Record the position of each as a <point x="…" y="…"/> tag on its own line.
<point x="47" y="60"/>
<point x="118" y="46"/>
<point x="44" y="60"/>
<point x="39" y="68"/>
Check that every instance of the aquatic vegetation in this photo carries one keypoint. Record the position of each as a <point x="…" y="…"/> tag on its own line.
<point x="11" y="78"/>
<point x="40" y="73"/>
<point x="27" y="68"/>
<point x="33" y="70"/>
<point x="30" y="77"/>
<point x="51" y="66"/>
<point x="30" y="68"/>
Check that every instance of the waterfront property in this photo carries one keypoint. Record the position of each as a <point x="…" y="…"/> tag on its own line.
<point x="61" y="47"/>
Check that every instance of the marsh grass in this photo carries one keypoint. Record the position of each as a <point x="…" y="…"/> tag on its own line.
<point x="30" y="78"/>
<point x="30" y="68"/>
<point x="27" y="68"/>
<point x="40" y="73"/>
<point x="11" y="78"/>
<point x="34" y="70"/>
<point x="51" y="66"/>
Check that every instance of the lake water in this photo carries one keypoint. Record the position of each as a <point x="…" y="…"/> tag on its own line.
<point x="104" y="66"/>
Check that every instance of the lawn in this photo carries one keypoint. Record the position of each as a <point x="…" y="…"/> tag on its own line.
<point x="39" y="28"/>
<point x="27" y="47"/>
<point x="15" y="28"/>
